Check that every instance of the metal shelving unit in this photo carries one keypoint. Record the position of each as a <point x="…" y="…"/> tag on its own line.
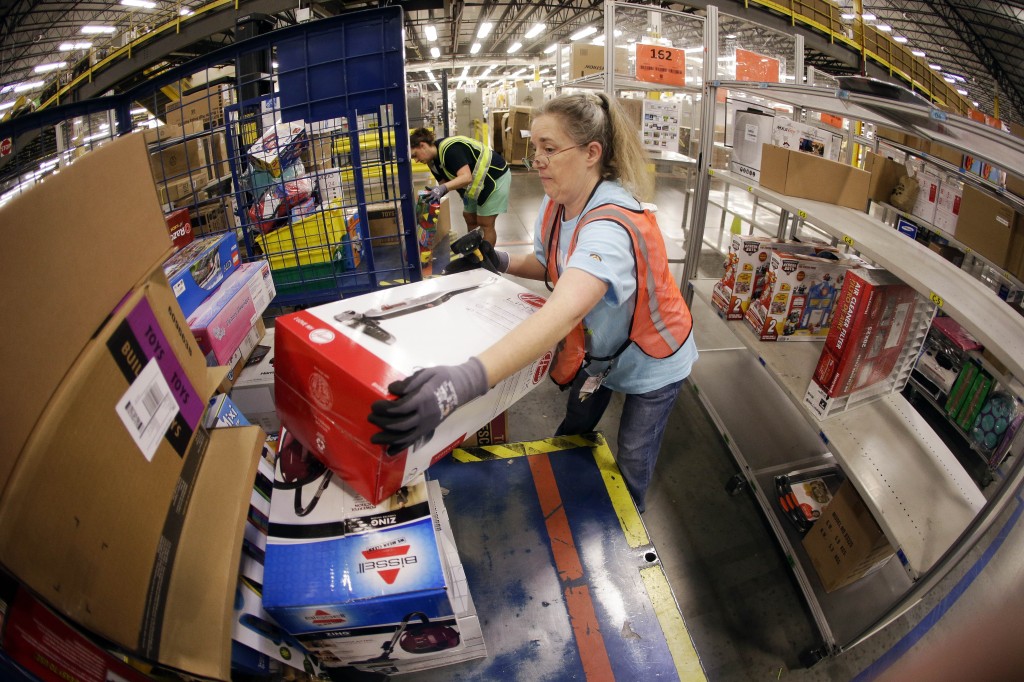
<point x="926" y="503"/>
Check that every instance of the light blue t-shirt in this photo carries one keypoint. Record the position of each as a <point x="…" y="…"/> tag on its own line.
<point x="605" y="251"/>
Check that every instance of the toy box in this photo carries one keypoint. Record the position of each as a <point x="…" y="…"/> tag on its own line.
<point x="396" y="581"/>
<point x="872" y="317"/>
<point x="197" y="270"/>
<point x="253" y="391"/>
<point x="745" y="270"/>
<point x="798" y="297"/>
<point x="334" y="360"/>
<point x="179" y="225"/>
<point x="221" y="322"/>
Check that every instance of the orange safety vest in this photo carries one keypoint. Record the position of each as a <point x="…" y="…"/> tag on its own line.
<point x="661" y="321"/>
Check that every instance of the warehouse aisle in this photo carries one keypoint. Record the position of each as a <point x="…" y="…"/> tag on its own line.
<point x="742" y="608"/>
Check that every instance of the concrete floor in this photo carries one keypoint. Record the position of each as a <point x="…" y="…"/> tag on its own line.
<point x="741" y="605"/>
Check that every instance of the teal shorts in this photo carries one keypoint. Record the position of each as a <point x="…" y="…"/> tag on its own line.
<point x="497" y="203"/>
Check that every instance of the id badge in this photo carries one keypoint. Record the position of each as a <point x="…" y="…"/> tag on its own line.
<point x="591" y="384"/>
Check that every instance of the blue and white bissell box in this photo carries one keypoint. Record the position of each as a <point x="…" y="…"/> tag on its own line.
<point x="197" y="270"/>
<point x="336" y="562"/>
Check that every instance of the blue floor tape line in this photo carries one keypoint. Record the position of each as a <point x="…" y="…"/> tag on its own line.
<point x="935" y="615"/>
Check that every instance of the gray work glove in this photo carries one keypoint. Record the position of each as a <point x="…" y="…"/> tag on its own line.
<point x="437" y="193"/>
<point x="425" y="400"/>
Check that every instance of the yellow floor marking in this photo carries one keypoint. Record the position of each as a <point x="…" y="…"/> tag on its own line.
<point x="677" y="637"/>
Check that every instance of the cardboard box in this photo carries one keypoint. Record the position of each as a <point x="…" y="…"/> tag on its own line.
<point x="60" y="286"/>
<point x="799" y="297"/>
<point x="122" y="512"/>
<point x="221" y="322"/>
<point x="196" y="271"/>
<point x="253" y="391"/>
<point x="517" y="144"/>
<point x="587" y="60"/>
<point x="928" y="178"/>
<point x="885" y="175"/>
<point x="746" y="268"/>
<point x="384" y="227"/>
<point x="205" y="105"/>
<point x="180" y="228"/>
<point x="180" y="161"/>
<point x="334" y="360"/>
<point x="241" y="356"/>
<point x="985" y="224"/>
<point x="846" y="543"/>
<point x="812" y="177"/>
<point x="872" y="317"/>
<point x="394" y="557"/>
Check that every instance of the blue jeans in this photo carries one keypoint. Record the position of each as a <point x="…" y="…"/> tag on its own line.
<point x="641" y="428"/>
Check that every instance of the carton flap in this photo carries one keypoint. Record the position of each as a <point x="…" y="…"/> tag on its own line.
<point x="198" y="615"/>
<point x="72" y="250"/>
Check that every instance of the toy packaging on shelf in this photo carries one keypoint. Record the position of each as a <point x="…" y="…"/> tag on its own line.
<point x="197" y="270"/>
<point x="333" y="361"/>
<point x="799" y="295"/>
<point x="746" y="267"/>
<point x="221" y="322"/>
<point x="253" y="391"/>
<point x="402" y="606"/>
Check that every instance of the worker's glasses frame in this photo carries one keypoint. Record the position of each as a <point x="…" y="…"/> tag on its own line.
<point x="541" y="160"/>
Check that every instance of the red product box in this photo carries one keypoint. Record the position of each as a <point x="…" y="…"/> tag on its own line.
<point x="179" y="224"/>
<point x="334" y="360"/>
<point x="870" y="325"/>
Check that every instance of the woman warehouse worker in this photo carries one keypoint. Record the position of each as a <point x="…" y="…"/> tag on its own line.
<point x="613" y="301"/>
<point x="480" y="175"/>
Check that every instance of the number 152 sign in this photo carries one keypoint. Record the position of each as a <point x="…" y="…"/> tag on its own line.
<point x="660" y="64"/>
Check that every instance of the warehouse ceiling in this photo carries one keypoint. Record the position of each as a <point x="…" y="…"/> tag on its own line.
<point x="977" y="44"/>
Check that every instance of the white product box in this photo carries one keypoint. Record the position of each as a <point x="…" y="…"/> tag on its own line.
<point x="253" y="392"/>
<point x="333" y="361"/>
<point x="928" y="178"/>
<point x="752" y="130"/>
<point x="794" y="135"/>
<point x="947" y="207"/>
<point x="400" y="603"/>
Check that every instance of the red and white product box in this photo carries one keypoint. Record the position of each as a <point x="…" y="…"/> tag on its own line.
<point x="799" y="297"/>
<point x="333" y="361"/>
<point x="870" y="325"/>
<point x="179" y="224"/>
<point x="222" y="322"/>
<point x="947" y="207"/>
<point x="745" y="269"/>
<point x="928" y="180"/>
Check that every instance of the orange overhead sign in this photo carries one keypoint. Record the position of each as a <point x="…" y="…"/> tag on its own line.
<point x="660" y="64"/>
<point x="751" y="66"/>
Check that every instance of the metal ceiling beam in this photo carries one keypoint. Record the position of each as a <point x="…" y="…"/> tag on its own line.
<point x="1007" y="83"/>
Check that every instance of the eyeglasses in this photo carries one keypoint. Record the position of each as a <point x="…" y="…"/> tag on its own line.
<point x="542" y="160"/>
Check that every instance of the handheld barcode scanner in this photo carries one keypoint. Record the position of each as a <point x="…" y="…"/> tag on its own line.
<point x="418" y="638"/>
<point x="299" y="467"/>
<point x="468" y="245"/>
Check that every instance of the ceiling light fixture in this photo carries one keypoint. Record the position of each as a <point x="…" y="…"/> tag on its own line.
<point x="138" y="112"/>
<point x="937" y="67"/>
<point x="484" y="30"/>
<point x="7" y="105"/>
<point x="900" y="39"/>
<point x="868" y="16"/>
<point x="962" y="91"/>
<point x="67" y="47"/>
<point x="52" y="66"/>
<point x="435" y="52"/>
<point x="98" y="29"/>
<point x="535" y="31"/>
<point x="848" y="16"/>
<point x="918" y="53"/>
<point x="975" y="105"/>
<point x="431" y="32"/>
<point x="145" y="4"/>
<point x="185" y="12"/>
<point x="514" y="47"/>
<point x="884" y="28"/>
<point x="583" y="33"/>
<point x="474" y="48"/>
<point x="550" y="48"/>
<point x="30" y="85"/>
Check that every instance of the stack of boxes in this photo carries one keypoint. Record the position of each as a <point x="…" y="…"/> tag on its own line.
<point x="143" y="516"/>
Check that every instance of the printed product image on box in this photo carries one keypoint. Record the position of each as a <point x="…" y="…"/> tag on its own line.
<point x="197" y="270"/>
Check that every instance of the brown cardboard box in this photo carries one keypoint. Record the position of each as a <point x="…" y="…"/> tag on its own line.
<point x="179" y="160"/>
<point x="885" y="174"/>
<point x="163" y="134"/>
<point x="808" y="176"/>
<point x="845" y="544"/>
<point x="385" y="227"/>
<point x="587" y="60"/>
<point x="497" y="130"/>
<point x="897" y="136"/>
<point x="517" y="145"/>
<point x="70" y="255"/>
<point x="204" y="105"/>
<point x="985" y="224"/>
<point x="1015" y="256"/>
<point x="138" y="537"/>
<point x="184" y="191"/>
<point x="954" y="157"/>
